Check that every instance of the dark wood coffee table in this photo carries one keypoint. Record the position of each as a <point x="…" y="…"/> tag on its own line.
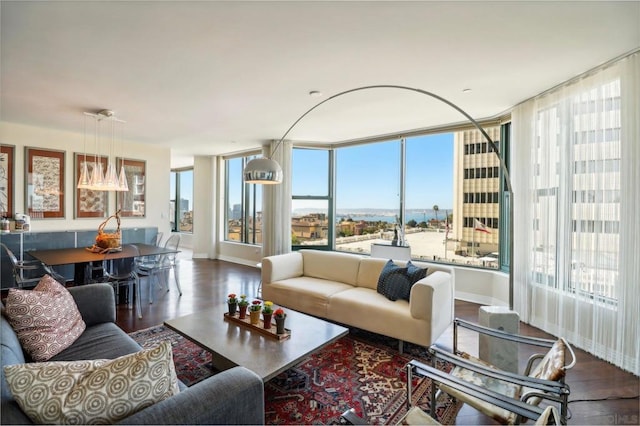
<point x="233" y="344"/>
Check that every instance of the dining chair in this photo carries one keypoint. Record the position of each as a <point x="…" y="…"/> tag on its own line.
<point x="29" y="272"/>
<point x="124" y="271"/>
<point x="161" y="266"/>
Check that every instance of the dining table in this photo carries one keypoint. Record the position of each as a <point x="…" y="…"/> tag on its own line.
<point x="82" y="256"/>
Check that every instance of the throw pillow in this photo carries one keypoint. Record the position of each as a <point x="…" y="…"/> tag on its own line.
<point x="415" y="273"/>
<point x="45" y="319"/>
<point x="93" y="392"/>
<point x="393" y="282"/>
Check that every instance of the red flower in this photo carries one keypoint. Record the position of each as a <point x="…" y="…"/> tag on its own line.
<point x="279" y="312"/>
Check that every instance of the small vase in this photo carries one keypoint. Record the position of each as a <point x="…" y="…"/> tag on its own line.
<point x="243" y="312"/>
<point x="232" y="308"/>
<point x="254" y="317"/>
<point x="267" y="320"/>
<point x="280" y="325"/>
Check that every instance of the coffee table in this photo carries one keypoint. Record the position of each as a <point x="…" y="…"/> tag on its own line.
<point x="232" y="344"/>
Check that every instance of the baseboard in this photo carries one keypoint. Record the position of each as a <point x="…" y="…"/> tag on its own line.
<point x="479" y="299"/>
<point x="237" y="260"/>
<point x="200" y="256"/>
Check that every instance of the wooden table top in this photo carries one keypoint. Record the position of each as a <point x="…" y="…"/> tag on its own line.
<point x="232" y="344"/>
<point x="67" y="256"/>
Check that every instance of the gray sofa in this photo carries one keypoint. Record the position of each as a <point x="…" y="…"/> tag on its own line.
<point x="235" y="396"/>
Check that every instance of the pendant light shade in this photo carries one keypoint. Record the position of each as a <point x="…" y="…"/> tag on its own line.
<point x="97" y="180"/>
<point x="263" y="171"/>
<point x="84" y="180"/>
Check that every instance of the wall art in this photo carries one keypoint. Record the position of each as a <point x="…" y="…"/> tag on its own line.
<point x="89" y="203"/>
<point x="132" y="202"/>
<point x="44" y="183"/>
<point x="7" y="184"/>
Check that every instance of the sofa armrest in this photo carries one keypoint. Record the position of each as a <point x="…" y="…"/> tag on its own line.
<point x="281" y="267"/>
<point x="234" y="396"/>
<point x="432" y="300"/>
<point x="96" y="303"/>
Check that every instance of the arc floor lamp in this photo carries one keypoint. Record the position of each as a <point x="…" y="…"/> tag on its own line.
<point x="267" y="171"/>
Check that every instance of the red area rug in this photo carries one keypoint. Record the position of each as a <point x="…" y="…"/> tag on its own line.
<point x="363" y="371"/>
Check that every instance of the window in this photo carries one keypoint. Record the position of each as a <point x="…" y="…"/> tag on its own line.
<point x="311" y="216"/>
<point x="367" y="194"/>
<point x="410" y="181"/>
<point x="243" y="204"/>
<point x="181" y="200"/>
<point x="591" y="172"/>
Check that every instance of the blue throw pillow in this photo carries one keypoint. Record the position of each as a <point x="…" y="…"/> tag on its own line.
<point x="415" y="273"/>
<point x="393" y="282"/>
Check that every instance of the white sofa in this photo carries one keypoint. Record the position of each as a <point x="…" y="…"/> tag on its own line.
<point x="342" y="287"/>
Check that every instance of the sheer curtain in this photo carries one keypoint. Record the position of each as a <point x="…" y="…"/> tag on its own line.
<point x="576" y="178"/>
<point x="276" y="219"/>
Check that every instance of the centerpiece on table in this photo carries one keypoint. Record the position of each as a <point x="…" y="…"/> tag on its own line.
<point x="254" y="312"/>
<point x="267" y="313"/>
<point x="242" y="306"/>
<point x="232" y="301"/>
<point x="280" y="316"/>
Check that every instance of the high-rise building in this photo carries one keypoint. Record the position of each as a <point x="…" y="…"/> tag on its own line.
<point x="476" y="192"/>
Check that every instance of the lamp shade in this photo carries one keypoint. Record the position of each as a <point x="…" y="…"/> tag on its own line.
<point x="263" y="170"/>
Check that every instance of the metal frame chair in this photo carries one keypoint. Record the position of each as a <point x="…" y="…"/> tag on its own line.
<point x="542" y="379"/>
<point x="543" y="416"/>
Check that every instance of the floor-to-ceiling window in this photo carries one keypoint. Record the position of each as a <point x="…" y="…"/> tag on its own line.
<point x="577" y="218"/>
<point x="311" y="216"/>
<point x="243" y="204"/>
<point x="181" y="200"/>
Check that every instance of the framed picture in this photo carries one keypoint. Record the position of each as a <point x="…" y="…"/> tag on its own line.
<point x="132" y="202"/>
<point x="44" y="183"/>
<point x="7" y="184"/>
<point x="89" y="203"/>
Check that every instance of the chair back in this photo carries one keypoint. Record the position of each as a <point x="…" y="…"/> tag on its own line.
<point x="125" y="266"/>
<point x="12" y="257"/>
<point x="172" y="242"/>
<point x="159" y="238"/>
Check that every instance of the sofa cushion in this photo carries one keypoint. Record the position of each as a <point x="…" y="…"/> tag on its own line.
<point x="393" y="282"/>
<point x="332" y="266"/>
<point x="96" y="391"/>
<point x="11" y="353"/>
<point x="104" y="340"/>
<point x="45" y="319"/>
<point x="305" y="294"/>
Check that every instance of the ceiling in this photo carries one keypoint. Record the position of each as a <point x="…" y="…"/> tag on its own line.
<point x="209" y="77"/>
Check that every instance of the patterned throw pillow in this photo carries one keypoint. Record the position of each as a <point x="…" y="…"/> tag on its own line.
<point x="393" y="282"/>
<point x="45" y="319"/>
<point x="415" y="273"/>
<point x="93" y="392"/>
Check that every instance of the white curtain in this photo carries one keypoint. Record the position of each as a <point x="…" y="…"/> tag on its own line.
<point x="276" y="220"/>
<point x="576" y="183"/>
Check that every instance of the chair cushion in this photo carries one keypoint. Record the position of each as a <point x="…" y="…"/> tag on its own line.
<point x="505" y="388"/>
<point x="45" y="319"/>
<point x="96" y="391"/>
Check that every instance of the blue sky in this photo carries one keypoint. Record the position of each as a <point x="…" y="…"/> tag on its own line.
<point x="368" y="175"/>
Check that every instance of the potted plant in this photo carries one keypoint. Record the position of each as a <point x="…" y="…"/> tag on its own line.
<point x="280" y="316"/>
<point x="242" y="306"/>
<point x="232" y="301"/>
<point x="267" y="312"/>
<point x="254" y="312"/>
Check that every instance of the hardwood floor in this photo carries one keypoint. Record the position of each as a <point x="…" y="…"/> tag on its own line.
<point x="207" y="282"/>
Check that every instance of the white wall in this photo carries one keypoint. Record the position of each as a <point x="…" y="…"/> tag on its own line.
<point x="157" y="176"/>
